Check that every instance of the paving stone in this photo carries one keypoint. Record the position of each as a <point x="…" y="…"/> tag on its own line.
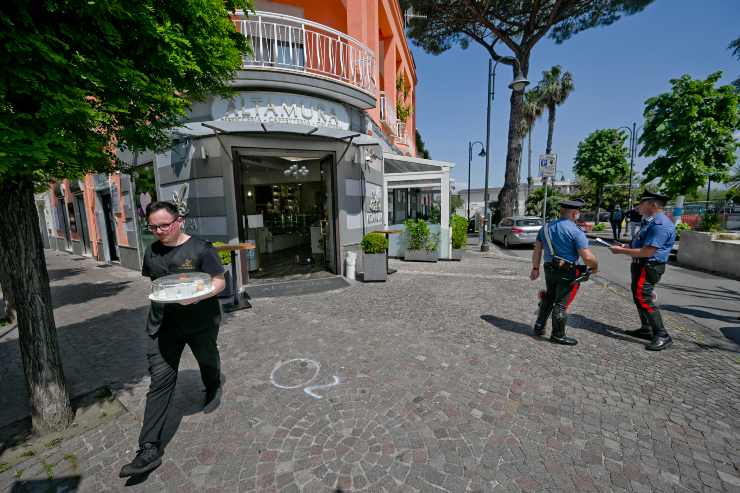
<point x="446" y="396"/>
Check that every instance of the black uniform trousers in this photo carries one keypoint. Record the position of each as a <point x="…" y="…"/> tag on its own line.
<point x="617" y="229"/>
<point x="645" y="276"/>
<point x="164" y="350"/>
<point x="560" y="294"/>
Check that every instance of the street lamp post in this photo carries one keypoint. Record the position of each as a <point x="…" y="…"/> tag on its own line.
<point x="518" y="84"/>
<point x="491" y="87"/>
<point x="633" y="151"/>
<point x="482" y="153"/>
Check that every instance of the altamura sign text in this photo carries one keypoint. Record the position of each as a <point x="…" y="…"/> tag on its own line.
<point x="276" y="107"/>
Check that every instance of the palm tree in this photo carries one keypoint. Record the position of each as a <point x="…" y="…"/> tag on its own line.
<point x="531" y="112"/>
<point x="554" y="89"/>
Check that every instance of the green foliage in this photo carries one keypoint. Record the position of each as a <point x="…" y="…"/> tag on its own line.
<point x="82" y="75"/>
<point x="459" y="232"/>
<point x="710" y="221"/>
<point x="599" y="227"/>
<point x="690" y="130"/>
<point x="421" y="149"/>
<point x="601" y="159"/>
<point x="374" y="243"/>
<point x="456" y="202"/>
<point x="532" y="109"/>
<point x="735" y="47"/>
<point x="225" y="256"/>
<point x="419" y="236"/>
<point x="403" y="110"/>
<point x="536" y="200"/>
<point x="680" y="228"/>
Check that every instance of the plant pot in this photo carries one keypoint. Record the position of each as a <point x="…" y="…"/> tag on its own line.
<point x="457" y="253"/>
<point x="375" y="269"/>
<point x="228" y="289"/>
<point x="420" y="256"/>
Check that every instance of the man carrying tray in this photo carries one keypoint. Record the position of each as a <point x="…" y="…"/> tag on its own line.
<point x="563" y="242"/>
<point x="171" y="326"/>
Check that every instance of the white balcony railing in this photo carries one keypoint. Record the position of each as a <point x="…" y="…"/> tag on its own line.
<point x="401" y="133"/>
<point x="283" y="42"/>
<point x="389" y="117"/>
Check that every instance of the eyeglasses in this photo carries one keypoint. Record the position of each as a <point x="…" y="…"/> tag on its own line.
<point x="160" y="227"/>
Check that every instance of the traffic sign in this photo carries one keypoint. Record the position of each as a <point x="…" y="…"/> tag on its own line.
<point x="548" y="163"/>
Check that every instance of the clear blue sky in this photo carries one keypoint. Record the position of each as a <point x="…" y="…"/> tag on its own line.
<point x="615" y="69"/>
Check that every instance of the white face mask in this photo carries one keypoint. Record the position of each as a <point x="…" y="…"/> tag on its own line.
<point x="578" y="216"/>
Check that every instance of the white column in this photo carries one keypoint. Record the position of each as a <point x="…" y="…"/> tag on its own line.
<point x="445" y="240"/>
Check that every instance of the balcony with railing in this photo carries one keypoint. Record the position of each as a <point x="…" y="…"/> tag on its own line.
<point x="290" y="51"/>
<point x="388" y="117"/>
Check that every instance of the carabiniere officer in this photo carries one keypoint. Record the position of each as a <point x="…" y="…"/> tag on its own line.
<point x="649" y="251"/>
<point x="563" y="242"/>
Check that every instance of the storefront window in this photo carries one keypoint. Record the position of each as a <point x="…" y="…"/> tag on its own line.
<point x="414" y="203"/>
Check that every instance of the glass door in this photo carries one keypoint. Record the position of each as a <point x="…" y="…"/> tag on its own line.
<point x="328" y="233"/>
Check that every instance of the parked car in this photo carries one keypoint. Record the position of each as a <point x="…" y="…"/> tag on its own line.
<point x="517" y="230"/>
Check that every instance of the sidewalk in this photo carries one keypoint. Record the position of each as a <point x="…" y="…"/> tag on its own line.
<point x="427" y="383"/>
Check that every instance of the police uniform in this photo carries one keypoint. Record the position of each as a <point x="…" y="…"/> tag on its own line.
<point x="657" y="231"/>
<point x="561" y="269"/>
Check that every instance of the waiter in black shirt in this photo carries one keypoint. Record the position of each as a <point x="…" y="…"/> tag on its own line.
<point x="172" y="326"/>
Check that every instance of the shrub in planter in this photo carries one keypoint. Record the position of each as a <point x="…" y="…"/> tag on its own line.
<point x="599" y="227"/>
<point x="459" y="236"/>
<point x="710" y="221"/>
<point x="226" y="262"/>
<point x="374" y="246"/>
<point x="680" y="228"/>
<point x="421" y="243"/>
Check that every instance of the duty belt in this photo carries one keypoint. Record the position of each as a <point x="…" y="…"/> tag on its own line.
<point x="644" y="261"/>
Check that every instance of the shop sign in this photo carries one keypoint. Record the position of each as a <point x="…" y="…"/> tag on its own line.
<point x="373" y="205"/>
<point x="276" y="107"/>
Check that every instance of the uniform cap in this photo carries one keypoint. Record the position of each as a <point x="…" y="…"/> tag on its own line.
<point x="572" y="204"/>
<point x="653" y="196"/>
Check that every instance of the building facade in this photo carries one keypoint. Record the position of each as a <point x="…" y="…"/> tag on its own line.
<point x="293" y="162"/>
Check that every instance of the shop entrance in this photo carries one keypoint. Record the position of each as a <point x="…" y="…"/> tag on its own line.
<point x="287" y="208"/>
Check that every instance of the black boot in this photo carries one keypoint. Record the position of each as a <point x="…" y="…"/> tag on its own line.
<point x="558" y="328"/>
<point x="147" y="459"/>
<point x="659" y="343"/>
<point x="641" y="333"/>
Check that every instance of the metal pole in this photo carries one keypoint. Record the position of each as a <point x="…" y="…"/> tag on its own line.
<point x="544" y="204"/>
<point x="484" y="247"/>
<point x="470" y="159"/>
<point x="709" y="187"/>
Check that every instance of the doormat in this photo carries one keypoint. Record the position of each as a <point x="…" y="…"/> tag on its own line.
<point x="295" y="288"/>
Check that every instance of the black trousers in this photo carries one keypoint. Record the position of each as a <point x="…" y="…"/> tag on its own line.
<point x="645" y="276"/>
<point x="560" y="294"/>
<point x="164" y="350"/>
<point x="617" y="229"/>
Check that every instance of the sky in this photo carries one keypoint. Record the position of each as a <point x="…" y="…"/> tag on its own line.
<point x="615" y="69"/>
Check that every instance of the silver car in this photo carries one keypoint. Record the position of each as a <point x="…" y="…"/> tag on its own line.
<point x="517" y="230"/>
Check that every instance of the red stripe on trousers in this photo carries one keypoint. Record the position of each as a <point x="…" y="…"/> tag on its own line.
<point x="572" y="296"/>
<point x="640" y="293"/>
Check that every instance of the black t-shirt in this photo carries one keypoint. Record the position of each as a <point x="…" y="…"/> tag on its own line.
<point x="195" y="255"/>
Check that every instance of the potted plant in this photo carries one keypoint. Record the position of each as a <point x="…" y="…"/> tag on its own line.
<point x="459" y="236"/>
<point x="421" y="243"/>
<point x="226" y="262"/>
<point x="374" y="246"/>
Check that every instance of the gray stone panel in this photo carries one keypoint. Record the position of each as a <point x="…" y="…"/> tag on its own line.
<point x="209" y="206"/>
<point x="129" y="257"/>
<point x="77" y="247"/>
<point x="303" y="84"/>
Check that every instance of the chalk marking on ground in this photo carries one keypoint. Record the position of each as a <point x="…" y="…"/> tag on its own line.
<point x="309" y="390"/>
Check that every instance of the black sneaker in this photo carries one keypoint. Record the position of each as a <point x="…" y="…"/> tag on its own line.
<point x="213" y="399"/>
<point x="641" y="333"/>
<point x="539" y="330"/>
<point x="147" y="459"/>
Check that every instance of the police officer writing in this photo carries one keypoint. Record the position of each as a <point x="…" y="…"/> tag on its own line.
<point x="563" y="242"/>
<point x="170" y="327"/>
<point x="649" y="251"/>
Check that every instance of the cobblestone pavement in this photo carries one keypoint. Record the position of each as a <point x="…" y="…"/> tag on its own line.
<point x="429" y="382"/>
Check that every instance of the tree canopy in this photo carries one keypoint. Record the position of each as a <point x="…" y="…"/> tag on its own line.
<point x="690" y="130"/>
<point x="515" y="28"/>
<point x="601" y="159"/>
<point x="421" y="149"/>
<point x="82" y="77"/>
